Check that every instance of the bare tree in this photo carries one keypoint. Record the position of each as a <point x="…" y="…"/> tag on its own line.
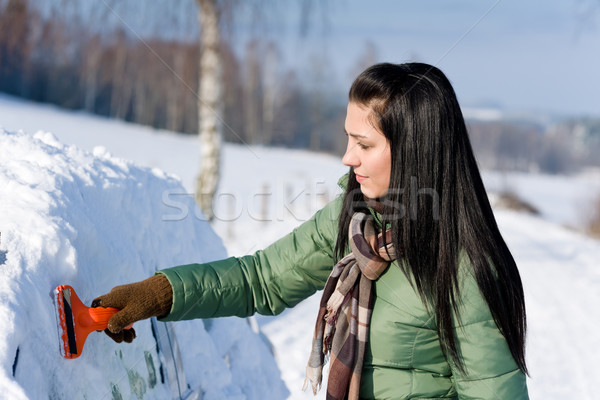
<point x="15" y="27"/>
<point x="92" y="53"/>
<point x="210" y="105"/>
<point x="368" y="56"/>
<point x="270" y="89"/>
<point x="122" y="81"/>
<point x="175" y="102"/>
<point x="252" y="91"/>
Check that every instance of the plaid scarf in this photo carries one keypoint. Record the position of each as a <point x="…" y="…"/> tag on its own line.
<point x="342" y="327"/>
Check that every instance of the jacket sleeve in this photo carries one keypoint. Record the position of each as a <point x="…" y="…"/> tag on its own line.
<point x="280" y="276"/>
<point x="491" y="371"/>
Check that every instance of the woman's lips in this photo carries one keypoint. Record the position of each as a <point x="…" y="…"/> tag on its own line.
<point x="360" y="178"/>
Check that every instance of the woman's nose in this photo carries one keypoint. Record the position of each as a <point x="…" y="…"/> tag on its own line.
<point x="350" y="159"/>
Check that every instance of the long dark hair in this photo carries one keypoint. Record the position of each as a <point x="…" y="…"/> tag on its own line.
<point x="436" y="205"/>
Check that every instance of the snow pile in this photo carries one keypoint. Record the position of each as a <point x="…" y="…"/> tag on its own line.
<point x="94" y="221"/>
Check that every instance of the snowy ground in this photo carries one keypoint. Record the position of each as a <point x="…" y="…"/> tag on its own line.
<point x="266" y="192"/>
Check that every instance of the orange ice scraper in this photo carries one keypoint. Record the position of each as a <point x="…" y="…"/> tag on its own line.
<point x="76" y="320"/>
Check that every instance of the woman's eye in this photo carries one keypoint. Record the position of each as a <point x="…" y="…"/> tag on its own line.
<point x="363" y="146"/>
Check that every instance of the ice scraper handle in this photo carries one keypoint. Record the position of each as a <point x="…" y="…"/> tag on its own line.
<point x="97" y="318"/>
<point x="152" y="297"/>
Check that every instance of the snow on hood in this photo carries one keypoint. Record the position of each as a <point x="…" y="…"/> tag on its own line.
<point x="94" y="221"/>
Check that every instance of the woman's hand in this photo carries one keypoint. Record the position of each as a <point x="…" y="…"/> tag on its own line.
<point x="137" y="301"/>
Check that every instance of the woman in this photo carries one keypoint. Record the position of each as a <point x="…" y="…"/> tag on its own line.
<point x="431" y="306"/>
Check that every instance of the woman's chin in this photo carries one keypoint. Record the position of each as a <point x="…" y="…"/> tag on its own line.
<point x="372" y="194"/>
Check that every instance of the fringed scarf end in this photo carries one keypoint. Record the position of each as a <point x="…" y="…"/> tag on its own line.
<point x="314" y="377"/>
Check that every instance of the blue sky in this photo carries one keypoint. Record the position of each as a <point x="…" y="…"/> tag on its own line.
<point x="537" y="55"/>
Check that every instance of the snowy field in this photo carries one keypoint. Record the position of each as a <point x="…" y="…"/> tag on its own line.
<point x="263" y="194"/>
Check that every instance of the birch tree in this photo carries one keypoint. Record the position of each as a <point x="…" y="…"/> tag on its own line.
<point x="210" y="93"/>
<point x="210" y="105"/>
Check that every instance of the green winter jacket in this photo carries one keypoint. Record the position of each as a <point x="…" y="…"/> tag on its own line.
<point x="404" y="359"/>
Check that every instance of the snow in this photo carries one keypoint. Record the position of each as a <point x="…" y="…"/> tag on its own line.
<point x="263" y="194"/>
<point x="565" y="200"/>
<point x="561" y="278"/>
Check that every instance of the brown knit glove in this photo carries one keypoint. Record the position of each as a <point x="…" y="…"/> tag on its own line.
<point x="152" y="297"/>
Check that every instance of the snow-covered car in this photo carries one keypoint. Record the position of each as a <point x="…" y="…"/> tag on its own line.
<point x="93" y="221"/>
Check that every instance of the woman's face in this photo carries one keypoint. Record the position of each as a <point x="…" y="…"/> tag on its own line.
<point x="368" y="152"/>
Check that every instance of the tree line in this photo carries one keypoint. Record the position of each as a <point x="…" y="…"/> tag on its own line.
<point x="565" y="146"/>
<point x="154" y="81"/>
